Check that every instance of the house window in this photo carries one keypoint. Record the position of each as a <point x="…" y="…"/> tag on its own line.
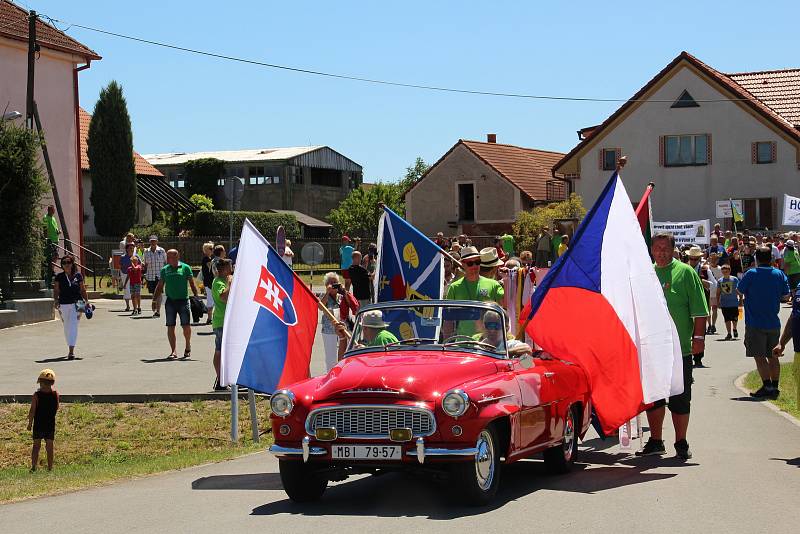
<point x="764" y="152"/>
<point x="609" y="158"/>
<point x="683" y="150"/>
<point x="466" y="202"/>
<point x="297" y="175"/>
<point x="221" y="182"/>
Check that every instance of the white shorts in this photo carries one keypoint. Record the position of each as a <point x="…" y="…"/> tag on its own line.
<point x="209" y="298"/>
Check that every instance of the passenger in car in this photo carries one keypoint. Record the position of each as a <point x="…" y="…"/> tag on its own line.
<point x="492" y="334"/>
<point x="374" y="333"/>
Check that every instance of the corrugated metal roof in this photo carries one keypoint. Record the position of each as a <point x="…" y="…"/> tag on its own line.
<point x="159" y="194"/>
<point x="305" y="220"/>
<point x="232" y="156"/>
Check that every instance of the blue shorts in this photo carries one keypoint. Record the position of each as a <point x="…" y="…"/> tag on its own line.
<point x="177" y="307"/>
<point x="218" y="339"/>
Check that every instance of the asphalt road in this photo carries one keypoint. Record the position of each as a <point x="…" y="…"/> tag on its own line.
<point x="115" y="354"/>
<point x="744" y="477"/>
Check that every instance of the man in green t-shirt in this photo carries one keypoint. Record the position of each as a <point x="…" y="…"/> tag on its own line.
<point x="791" y="264"/>
<point x="220" y="288"/>
<point x="51" y="226"/>
<point x="173" y="279"/>
<point x="687" y="307"/>
<point x="374" y="331"/>
<point x="555" y="242"/>
<point x="472" y="286"/>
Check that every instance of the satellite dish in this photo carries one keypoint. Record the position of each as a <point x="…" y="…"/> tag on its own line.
<point x="312" y="253"/>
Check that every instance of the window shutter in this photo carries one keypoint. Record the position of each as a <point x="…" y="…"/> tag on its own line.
<point x="753" y="153"/>
<point x="708" y="149"/>
<point x="661" y="151"/>
<point x="600" y="157"/>
<point x="774" y="151"/>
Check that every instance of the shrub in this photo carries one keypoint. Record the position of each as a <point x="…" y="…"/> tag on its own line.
<point x="529" y="223"/>
<point x="22" y="185"/>
<point x="202" y="202"/>
<point x="216" y="223"/>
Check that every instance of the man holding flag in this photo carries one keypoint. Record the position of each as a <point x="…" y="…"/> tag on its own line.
<point x="632" y="355"/>
<point x="683" y="292"/>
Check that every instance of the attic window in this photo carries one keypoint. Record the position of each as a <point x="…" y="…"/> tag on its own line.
<point x="685" y="101"/>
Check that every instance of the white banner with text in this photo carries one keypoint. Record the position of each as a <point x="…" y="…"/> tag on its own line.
<point x="686" y="232"/>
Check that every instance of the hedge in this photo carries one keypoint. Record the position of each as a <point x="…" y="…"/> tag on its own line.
<point x="216" y="222"/>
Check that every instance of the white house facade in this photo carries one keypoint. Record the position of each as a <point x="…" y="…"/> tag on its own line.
<point x="700" y="136"/>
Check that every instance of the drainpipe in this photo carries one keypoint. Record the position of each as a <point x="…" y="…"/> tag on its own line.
<point x="75" y="72"/>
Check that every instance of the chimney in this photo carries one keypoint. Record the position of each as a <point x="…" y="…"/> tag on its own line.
<point x="491" y="138"/>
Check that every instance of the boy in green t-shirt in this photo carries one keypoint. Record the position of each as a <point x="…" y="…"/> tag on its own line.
<point x="220" y="288"/>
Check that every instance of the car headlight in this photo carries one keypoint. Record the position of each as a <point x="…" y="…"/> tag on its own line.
<point x="282" y="402"/>
<point x="455" y="403"/>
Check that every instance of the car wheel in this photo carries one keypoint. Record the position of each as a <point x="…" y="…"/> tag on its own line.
<point x="302" y="482"/>
<point x="561" y="458"/>
<point x="479" y="479"/>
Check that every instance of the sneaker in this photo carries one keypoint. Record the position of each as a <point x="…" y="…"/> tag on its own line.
<point x="218" y="387"/>
<point x="736" y="333"/>
<point x="728" y="337"/>
<point x="713" y="329"/>
<point x="682" y="449"/>
<point x="652" y="448"/>
<point x="762" y="393"/>
<point x="774" y="393"/>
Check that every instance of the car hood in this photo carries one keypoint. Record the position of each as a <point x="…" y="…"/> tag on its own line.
<point x="421" y="375"/>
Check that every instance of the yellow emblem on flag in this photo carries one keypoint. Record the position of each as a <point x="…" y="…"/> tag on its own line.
<point x="406" y="332"/>
<point x="410" y="255"/>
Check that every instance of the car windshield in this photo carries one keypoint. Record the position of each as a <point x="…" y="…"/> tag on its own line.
<point x="447" y="325"/>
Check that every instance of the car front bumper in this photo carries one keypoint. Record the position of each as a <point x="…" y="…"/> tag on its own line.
<point x="419" y="450"/>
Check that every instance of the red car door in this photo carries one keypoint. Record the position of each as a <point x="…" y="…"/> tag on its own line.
<point x="538" y="395"/>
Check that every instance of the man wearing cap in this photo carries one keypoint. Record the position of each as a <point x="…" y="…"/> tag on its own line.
<point x="346" y="255"/>
<point x="155" y="258"/>
<point x="374" y="333"/>
<point x="473" y="286"/>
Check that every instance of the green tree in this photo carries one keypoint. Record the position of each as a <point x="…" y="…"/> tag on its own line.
<point x="202" y="176"/>
<point x="110" y="150"/>
<point x="358" y="214"/>
<point x="22" y="185"/>
<point x="529" y="223"/>
<point x="202" y="203"/>
<point x="414" y="173"/>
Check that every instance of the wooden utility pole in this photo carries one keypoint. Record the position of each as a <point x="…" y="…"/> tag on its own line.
<point x="32" y="121"/>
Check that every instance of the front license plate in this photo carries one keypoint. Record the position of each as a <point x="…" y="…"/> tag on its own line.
<point x="366" y="452"/>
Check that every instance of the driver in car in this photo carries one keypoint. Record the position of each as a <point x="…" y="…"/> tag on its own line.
<point x="493" y="335"/>
<point x="374" y="330"/>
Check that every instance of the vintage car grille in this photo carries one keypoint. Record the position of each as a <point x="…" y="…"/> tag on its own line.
<point x="371" y="421"/>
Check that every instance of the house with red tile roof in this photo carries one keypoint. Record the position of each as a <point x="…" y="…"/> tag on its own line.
<point x="58" y="62"/>
<point x="153" y="192"/>
<point x="478" y="188"/>
<point x="701" y="136"/>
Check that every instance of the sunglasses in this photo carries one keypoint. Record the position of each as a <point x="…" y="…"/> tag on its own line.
<point x="471" y="263"/>
<point x="492" y="326"/>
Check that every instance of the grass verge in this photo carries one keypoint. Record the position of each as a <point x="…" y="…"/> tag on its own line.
<point x="100" y="443"/>
<point x="787" y="401"/>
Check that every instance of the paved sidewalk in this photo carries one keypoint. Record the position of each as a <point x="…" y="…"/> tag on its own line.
<point x="743" y="479"/>
<point x="115" y="354"/>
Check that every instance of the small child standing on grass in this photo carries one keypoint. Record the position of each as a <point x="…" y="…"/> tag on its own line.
<point x="135" y="280"/>
<point x="42" y="418"/>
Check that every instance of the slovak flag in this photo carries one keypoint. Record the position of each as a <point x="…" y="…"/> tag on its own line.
<point x="602" y="307"/>
<point x="270" y="320"/>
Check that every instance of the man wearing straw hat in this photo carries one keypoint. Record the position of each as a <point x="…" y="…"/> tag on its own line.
<point x="374" y="333"/>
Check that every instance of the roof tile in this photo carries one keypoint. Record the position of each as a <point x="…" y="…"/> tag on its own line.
<point x="778" y="89"/>
<point x="14" y="25"/>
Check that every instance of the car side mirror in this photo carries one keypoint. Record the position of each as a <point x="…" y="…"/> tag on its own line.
<point x="526" y="361"/>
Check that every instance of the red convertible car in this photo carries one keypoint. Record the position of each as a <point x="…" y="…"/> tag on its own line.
<point x="431" y="383"/>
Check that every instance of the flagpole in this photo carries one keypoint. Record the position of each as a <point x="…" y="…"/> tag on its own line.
<point x="733" y="215"/>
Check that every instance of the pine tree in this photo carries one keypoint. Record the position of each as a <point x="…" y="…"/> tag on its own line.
<point x="110" y="150"/>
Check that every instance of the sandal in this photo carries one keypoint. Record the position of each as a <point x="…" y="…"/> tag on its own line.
<point x="187" y="354"/>
<point x="70" y="356"/>
<point x="172" y="357"/>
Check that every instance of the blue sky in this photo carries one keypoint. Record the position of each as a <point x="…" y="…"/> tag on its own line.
<point x="183" y="102"/>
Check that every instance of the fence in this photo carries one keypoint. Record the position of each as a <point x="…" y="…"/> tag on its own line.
<point x="191" y="248"/>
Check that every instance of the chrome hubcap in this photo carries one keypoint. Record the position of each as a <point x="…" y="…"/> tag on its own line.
<point x="569" y="435"/>
<point x="484" y="461"/>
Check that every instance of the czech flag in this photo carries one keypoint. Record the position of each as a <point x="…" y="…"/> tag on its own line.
<point x="270" y="320"/>
<point x="602" y="307"/>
